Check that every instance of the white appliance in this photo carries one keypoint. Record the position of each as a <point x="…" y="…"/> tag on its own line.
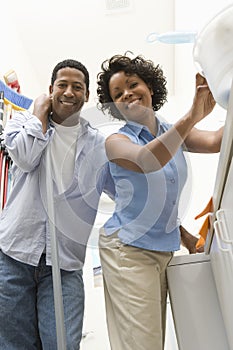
<point x="195" y="306"/>
<point x="220" y="238"/>
<point x="201" y="285"/>
<point x="209" y="279"/>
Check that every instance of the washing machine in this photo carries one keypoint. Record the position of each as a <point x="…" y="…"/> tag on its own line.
<point x="194" y="303"/>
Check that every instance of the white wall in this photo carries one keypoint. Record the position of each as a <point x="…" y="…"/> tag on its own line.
<point x="42" y="33"/>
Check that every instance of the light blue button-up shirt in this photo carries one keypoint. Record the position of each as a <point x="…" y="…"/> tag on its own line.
<point x="24" y="228"/>
<point x="146" y="212"/>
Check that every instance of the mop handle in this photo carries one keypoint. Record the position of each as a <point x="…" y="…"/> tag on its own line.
<point x="1" y="111"/>
<point x="57" y="288"/>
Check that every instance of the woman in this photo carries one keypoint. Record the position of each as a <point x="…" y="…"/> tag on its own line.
<point x="149" y="170"/>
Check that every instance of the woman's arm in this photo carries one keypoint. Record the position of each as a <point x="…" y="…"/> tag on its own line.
<point x="204" y="141"/>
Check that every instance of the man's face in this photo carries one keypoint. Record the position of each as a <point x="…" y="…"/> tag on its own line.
<point x="69" y="93"/>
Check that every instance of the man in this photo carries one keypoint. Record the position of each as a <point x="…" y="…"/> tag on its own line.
<point x="55" y="136"/>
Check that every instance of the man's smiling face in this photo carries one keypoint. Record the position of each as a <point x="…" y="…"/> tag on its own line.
<point x="69" y="93"/>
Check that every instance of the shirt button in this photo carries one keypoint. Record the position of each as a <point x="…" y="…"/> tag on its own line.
<point x="172" y="181"/>
<point x="173" y="202"/>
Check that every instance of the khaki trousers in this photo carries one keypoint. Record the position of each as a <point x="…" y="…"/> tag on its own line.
<point x="135" y="289"/>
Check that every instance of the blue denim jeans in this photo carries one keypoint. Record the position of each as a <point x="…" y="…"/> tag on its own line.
<point x="27" y="315"/>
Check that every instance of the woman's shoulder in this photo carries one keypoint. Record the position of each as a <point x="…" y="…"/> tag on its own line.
<point x="163" y="124"/>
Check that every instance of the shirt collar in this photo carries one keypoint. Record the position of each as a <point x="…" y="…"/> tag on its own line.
<point x="83" y="122"/>
<point x="137" y="128"/>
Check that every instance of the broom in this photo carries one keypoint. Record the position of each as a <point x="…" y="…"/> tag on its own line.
<point x="18" y="101"/>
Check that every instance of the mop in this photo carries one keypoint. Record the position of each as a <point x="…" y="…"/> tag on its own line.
<point x="57" y="288"/>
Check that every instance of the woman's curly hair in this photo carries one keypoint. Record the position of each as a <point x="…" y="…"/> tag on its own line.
<point x="146" y="70"/>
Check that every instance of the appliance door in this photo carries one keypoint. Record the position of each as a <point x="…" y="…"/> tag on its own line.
<point x="221" y="254"/>
<point x="194" y="302"/>
<point x="225" y="159"/>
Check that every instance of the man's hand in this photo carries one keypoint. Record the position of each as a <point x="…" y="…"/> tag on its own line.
<point x="42" y="109"/>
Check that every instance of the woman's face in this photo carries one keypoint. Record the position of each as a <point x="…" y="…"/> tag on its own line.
<point x="131" y="96"/>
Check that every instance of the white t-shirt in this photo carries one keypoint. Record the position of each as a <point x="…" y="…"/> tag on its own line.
<point x="62" y="154"/>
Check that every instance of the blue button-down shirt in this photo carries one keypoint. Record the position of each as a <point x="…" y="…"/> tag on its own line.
<point x="24" y="227"/>
<point x="146" y="212"/>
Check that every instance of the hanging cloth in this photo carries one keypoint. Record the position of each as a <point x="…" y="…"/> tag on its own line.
<point x="208" y="210"/>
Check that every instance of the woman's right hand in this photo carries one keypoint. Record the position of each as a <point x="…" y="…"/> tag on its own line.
<point x="203" y="102"/>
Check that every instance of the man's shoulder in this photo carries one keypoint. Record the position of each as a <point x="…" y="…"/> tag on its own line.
<point x="92" y="132"/>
